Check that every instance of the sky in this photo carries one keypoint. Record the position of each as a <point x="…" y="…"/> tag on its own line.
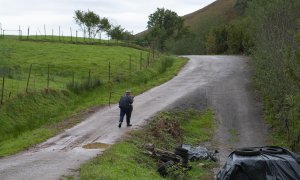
<point x="130" y="14"/>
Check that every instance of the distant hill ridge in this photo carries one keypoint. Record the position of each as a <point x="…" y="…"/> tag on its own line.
<point x="200" y="23"/>
<point x="223" y="9"/>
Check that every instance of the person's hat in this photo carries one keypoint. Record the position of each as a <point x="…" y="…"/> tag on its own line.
<point x="128" y="91"/>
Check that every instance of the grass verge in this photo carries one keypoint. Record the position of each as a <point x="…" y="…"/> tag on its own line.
<point x="128" y="160"/>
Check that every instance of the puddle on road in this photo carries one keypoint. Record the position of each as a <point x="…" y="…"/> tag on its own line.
<point x="96" y="146"/>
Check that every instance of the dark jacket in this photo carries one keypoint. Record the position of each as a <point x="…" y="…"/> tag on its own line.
<point x="126" y="102"/>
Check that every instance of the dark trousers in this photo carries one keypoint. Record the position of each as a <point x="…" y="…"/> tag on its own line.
<point x="127" y="112"/>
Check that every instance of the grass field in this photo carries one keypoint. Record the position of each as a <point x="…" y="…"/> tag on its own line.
<point x="54" y="65"/>
<point x="25" y="116"/>
<point x="128" y="160"/>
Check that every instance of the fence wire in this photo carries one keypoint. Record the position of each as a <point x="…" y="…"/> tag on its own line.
<point x="37" y="77"/>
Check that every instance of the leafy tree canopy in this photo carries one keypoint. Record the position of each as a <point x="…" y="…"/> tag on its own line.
<point x="116" y="32"/>
<point x="164" y="24"/>
<point x="88" y="21"/>
<point x="104" y="25"/>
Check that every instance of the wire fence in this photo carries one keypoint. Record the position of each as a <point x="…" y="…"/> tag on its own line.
<point x="15" y="81"/>
<point x="67" y="36"/>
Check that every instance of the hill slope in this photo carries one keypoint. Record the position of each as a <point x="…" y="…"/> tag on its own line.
<point x="201" y="22"/>
<point x="221" y="9"/>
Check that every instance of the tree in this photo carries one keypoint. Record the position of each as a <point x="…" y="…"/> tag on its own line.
<point x="241" y="6"/>
<point x="104" y="25"/>
<point x="211" y="43"/>
<point x="217" y="40"/>
<point x="164" y="24"/>
<point x="116" y="32"/>
<point x="87" y="21"/>
<point x="127" y="35"/>
<point x="239" y="40"/>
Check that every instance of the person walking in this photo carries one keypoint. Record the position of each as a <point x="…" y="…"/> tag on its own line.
<point x="125" y="105"/>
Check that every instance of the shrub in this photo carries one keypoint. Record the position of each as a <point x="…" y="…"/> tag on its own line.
<point x="165" y="63"/>
<point x="273" y="26"/>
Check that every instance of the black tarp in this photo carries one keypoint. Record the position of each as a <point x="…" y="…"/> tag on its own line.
<point x="261" y="163"/>
<point x="199" y="153"/>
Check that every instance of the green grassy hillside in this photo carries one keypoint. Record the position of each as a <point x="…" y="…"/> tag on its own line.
<point x="201" y="22"/>
<point x="64" y="63"/>
<point x="64" y="80"/>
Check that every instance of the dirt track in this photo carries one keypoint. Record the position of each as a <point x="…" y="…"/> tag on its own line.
<point x="222" y="82"/>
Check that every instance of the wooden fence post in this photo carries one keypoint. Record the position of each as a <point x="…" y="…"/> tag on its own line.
<point x="48" y="79"/>
<point x="71" y="34"/>
<point x="20" y="32"/>
<point x="76" y="35"/>
<point x="141" y="59"/>
<point x="109" y="101"/>
<point x="129" y="64"/>
<point x="148" y="60"/>
<point x="2" y="93"/>
<point x="109" y="71"/>
<point x="73" y="79"/>
<point x="89" y="77"/>
<point x="28" y="78"/>
<point x="149" y="55"/>
<point x="59" y="33"/>
<point x="45" y="30"/>
<point x="28" y="33"/>
<point x="153" y="53"/>
<point x="83" y="34"/>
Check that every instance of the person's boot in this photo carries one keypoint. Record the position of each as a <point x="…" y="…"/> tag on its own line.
<point x="129" y="125"/>
<point x="120" y="124"/>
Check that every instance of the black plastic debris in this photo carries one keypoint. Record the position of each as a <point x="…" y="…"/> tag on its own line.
<point x="261" y="163"/>
<point x="174" y="164"/>
<point x="172" y="168"/>
<point x="199" y="153"/>
<point x="163" y="168"/>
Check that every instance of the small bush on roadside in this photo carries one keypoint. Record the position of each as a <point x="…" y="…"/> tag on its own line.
<point x="165" y="63"/>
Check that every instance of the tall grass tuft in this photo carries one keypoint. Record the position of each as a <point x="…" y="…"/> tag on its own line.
<point x="85" y="85"/>
<point x="165" y="63"/>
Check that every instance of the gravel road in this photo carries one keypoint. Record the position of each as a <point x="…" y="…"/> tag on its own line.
<point x="221" y="82"/>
